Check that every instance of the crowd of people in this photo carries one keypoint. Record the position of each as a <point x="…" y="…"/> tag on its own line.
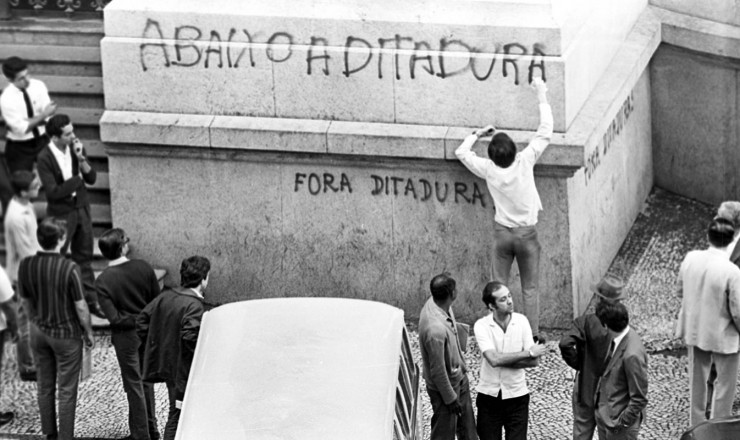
<point x="46" y="299"/>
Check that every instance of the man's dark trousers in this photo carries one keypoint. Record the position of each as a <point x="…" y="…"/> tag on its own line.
<point x="58" y="362"/>
<point x="173" y="418"/>
<point x="495" y="413"/>
<point x="80" y="241"/>
<point x="446" y="424"/>
<point x="142" y="420"/>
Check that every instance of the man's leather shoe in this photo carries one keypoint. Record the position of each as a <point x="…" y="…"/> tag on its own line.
<point x="6" y="417"/>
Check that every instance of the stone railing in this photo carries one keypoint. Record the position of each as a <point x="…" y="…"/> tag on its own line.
<point x="52" y="7"/>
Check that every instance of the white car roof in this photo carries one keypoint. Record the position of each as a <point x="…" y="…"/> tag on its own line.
<point x="294" y="368"/>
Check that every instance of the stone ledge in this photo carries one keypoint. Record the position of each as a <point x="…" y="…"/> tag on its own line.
<point x="314" y="136"/>
<point x="699" y="34"/>
<point x="156" y="128"/>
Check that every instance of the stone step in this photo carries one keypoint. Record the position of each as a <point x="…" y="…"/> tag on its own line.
<point x="32" y="30"/>
<point x="52" y="53"/>
<point x="62" y="84"/>
<point x="82" y="116"/>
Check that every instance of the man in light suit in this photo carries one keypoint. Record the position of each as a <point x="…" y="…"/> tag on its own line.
<point x="64" y="172"/>
<point x="621" y="394"/>
<point x="709" y="321"/>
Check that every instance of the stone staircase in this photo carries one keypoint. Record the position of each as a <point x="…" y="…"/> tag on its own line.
<point x="64" y="53"/>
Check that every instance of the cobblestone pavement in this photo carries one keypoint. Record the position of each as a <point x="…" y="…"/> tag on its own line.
<point x="669" y="227"/>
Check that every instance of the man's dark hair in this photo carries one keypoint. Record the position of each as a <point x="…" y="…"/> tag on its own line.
<point x="613" y="315"/>
<point x="193" y="270"/>
<point x="13" y="66"/>
<point x="55" y="125"/>
<point x="111" y="243"/>
<point x="502" y="150"/>
<point x="50" y="231"/>
<point x="720" y="232"/>
<point x="21" y="180"/>
<point x="442" y="287"/>
<point x="491" y="287"/>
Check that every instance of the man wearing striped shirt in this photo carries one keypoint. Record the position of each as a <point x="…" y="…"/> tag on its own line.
<point x="51" y="289"/>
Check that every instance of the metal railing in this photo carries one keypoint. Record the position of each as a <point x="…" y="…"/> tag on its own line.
<point x="54" y="7"/>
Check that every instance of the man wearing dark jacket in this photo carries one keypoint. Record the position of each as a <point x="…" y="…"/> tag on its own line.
<point x="124" y="289"/>
<point x="584" y="349"/>
<point x="168" y="328"/>
<point x="64" y="172"/>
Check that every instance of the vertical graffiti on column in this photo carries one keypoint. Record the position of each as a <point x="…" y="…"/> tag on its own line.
<point x="232" y="34"/>
<point x="381" y="45"/>
<point x="610" y="135"/>
<point x="181" y="36"/>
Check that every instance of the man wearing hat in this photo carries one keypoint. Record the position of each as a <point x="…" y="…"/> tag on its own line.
<point x="584" y="348"/>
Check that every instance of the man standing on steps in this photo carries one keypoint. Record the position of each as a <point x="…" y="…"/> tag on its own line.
<point x="21" y="242"/>
<point x="124" y="289"/>
<point x="510" y="179"/>
<point x="25" y="105"/>
<point x="64" y="172"/>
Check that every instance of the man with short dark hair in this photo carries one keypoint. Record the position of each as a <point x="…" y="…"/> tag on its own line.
<point x="168" y="327"/>
<point x="25" y="106"/>
<point x="507" y="348"/>
<point x="64" y="172"/>
<point x="20" y="242"/>
<point x="584" y="348"/>
<point x="50" y="286"/>
<point x="443" y="364"/>
<point x="709" y="319"/>
<point x="510" y="179"/>
<point x="621" y="393"/>
<point x="124" y="288"/>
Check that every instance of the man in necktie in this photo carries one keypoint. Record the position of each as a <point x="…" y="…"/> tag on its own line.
<point x="621" y="393"/>
<point x="583" y="348"/>
<point x="25" y="106"/>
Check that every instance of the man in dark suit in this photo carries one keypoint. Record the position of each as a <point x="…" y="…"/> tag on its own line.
<point x="621" y="394"/>
<point x="64" y="171"/>
<point x="584" y="348"/>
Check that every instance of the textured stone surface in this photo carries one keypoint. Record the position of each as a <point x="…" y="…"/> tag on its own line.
<point x="695" y="110"/>
<point x="427" y="62"/>
<point x="608" y="193"/>
<point x="303" y="135"/>
<point x="283" y="225"/>
<point x="156" y="128"/>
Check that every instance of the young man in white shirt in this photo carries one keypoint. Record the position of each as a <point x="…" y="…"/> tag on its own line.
<point x="510" y="179"/>
<point x="507" y="347"/>
<point x="25" y="106"/>
<point x="21" y="242"/>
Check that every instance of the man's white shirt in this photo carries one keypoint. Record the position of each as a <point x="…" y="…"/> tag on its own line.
<point x="15" y="114"/>
<point x="490" y="336"/>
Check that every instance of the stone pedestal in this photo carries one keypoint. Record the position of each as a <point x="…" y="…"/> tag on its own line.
<point x="307" y="147"/>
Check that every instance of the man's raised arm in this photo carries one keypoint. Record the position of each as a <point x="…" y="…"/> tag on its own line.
<point x="544" y="131"/>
